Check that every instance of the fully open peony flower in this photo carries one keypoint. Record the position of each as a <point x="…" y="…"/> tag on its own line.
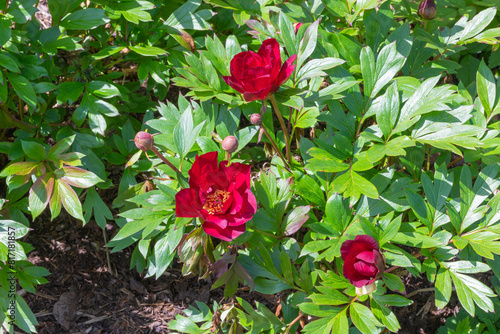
<point x="220" y="195"/>
<point x="258" y="75"/>
<point x="363" y="262"/>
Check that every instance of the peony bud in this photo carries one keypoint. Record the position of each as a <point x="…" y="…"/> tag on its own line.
<point x="297" y="27"/>
<point x="427" y="9"/>
<point x="256" y="119"/>
<point x="230" y="144"/>
<point x="144" y="141"/>
<point x="363" y="261"/>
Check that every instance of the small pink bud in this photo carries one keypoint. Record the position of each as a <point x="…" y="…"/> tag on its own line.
<point x="427" y="9"/>
<point x="256" y="119"/>
<point x="144" y="141"/>
<point x="230" y="144"/>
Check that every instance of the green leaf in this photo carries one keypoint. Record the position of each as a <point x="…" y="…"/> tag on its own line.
<point x="23" y="88"/>
<point x="295" y="219"/>
<point x="148" y="51"/>
<point x="40" y="194"/>
<point x="94" y="203"/>
<point x="103" y="89"/>
<point x="5" y="31"/>
<point x="470" y="291"/>
<point x="77" y="177"/>
<point x="61" y="147"/>
<point x="363" y="318"/>
<point x="315" y="67"/>
<point x="323" y="161"/>
<point x="185" y="17"/>
<point x="419" y="207"/>
<point x="351" y="184"/>
<point x="33" y="150"/>
<point x="478" y="23"/>
<point x="309" y="189"/>
<point x="19" y="168"/>
<point x="106" y="52"/>
<point x="70" y="92"/>
<point x="288" y="34"/>
<point x="69" y="199"/>
<point x="184" y="134"/>
<point x="9" y="63"/>
<point x="307" y="44"/>
<point x="443" y="288"/>
<point x="84" y="19"/>
<point x="486" y="88"/>
<point x="377" y="24"/>
<point x="387" y="109"/>
<point x="393" y="282"/>
<point x="383" y="313"/>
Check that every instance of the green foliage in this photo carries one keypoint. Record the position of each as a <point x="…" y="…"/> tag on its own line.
<point x="387" y="127"/>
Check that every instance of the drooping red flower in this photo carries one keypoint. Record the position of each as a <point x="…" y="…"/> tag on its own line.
<point x="258" y="75"/>
<point x="363" y="262"/>
<point x="220" y="195"/>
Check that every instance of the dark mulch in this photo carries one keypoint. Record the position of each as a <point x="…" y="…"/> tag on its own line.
<point x="123" y="302"/>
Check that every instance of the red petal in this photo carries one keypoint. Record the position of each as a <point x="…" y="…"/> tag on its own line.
<point x="286" y="70"/>
<point x="187" y="204"/>
<point x="226" y="234"/>
<point x="232" y="81"/>
<point x="270" y="49"/>
<point x="366" y="239"/>
<point x="237" y="173"/>
<point x="260" y="95"/>
<point x="354" y="276"/>
<point x="365" y="269"/>
<point x="202" y="164"/>
<point x="366" y="257"/>
<point x="351" y="248"/>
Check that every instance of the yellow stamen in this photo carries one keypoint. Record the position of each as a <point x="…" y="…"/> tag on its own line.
<point x="215" y="202"/>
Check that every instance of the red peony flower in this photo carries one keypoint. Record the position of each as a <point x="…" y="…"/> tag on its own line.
<point x="258" y="75"/>
<point x="363" y="262"/>
<point x="220" y="195"/>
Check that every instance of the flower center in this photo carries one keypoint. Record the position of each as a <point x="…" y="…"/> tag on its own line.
<point x="215" y="202"/>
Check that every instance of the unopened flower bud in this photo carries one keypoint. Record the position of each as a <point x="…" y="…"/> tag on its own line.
<point x="297" y="27"/>
<point x="256" y="119"/>
<point x="144" y="141"/>
<point x="230" y="144"/>
<point x="427" y="9"/>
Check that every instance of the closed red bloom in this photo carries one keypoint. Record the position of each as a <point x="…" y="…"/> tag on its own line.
<point x="258" y="75"/>
<point x="220" y="195"/>
<point x="363" y="262"/>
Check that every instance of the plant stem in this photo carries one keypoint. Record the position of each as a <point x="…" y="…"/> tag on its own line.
<point x="275" y="146"/>
<point x="294" y="321"/>
<point x="283" y="127"/>
<point x="168" y="163"/>
<point x="107" y="252"/>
